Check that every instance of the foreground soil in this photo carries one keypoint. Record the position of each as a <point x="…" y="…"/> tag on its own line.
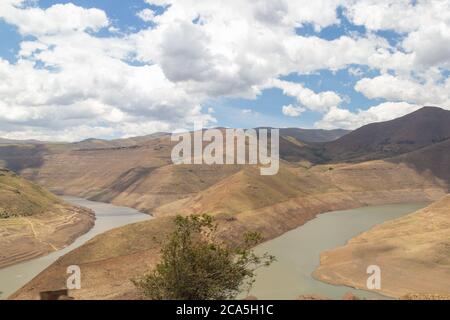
<point x="413" y="253"/>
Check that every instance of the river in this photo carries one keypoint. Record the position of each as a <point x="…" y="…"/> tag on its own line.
<point x="107" y="216"/>
<point x="298" y="252"/>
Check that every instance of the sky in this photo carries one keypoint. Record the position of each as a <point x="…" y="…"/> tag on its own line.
<point x="77" y="69"/>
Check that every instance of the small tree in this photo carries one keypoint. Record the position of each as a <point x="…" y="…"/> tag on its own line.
<point x="196" y="266"/>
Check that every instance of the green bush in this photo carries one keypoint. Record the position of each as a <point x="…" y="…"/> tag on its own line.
<point x="196" y="266"/>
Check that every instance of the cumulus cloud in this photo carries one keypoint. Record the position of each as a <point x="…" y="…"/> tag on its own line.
<point x="321" y="101"/>
<point x="68" y="82"/>
<point x="345" y="119"/>
<point x="147" y="15"/>
<point x="397" y="88"/>
<point x="292" y="111"/>
<point x="56" y="19"/>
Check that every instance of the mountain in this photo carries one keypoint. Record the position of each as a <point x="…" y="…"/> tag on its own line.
<point x="434" y="159"/>
<point x="416" y="130"/>
<point x="116" y="143"/>
<point x="10" y="141"/>
<point x="125" y="169"/>
<point x="142" y="176"/>
<point x="240" y="199"/>
<point x="138" y="172"/>
<point x="313" y="135"/>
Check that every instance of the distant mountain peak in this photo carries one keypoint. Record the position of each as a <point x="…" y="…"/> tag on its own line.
<point x="421" y="128"/>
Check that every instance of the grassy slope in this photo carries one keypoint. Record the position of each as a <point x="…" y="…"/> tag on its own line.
<point x="19" y="197"/>
<point x="34" y="222"/>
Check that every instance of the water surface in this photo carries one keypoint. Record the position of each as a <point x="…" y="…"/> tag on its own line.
<point x="298" y="252"/>
<point x="107" y="216"/>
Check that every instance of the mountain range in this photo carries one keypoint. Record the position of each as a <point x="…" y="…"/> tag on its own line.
<point x="402" y="160"/>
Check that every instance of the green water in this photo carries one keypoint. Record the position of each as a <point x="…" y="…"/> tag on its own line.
<point x="298" y="252"/>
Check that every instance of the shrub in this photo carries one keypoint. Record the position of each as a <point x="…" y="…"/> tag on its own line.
<point x="196" y="266"/>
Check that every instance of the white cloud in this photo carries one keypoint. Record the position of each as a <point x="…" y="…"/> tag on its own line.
<point x="398" y="15"/>
<point x="160" y="3"/>
<point x="430" y="45"/>
<point x="67" y="80"/>
<point x="292" y="111"/>
<point x="147" y="15"/>
<point x="397" y="88"/>
<point x="425" y="26"/>
<point x="321" y="101"/>
<point x="58" y="18"/>
<point x="345" y="119"/>
<point x="355" y="71"/>
<point x="237" y="46"/>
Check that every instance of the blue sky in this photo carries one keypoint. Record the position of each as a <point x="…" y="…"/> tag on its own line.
<point x="110" y="68"/>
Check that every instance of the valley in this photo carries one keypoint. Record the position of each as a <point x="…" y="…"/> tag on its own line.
<point x="107" y="217"/>
<point x="358" y="169"/>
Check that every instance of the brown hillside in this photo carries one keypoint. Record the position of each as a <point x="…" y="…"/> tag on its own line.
<point x="413" y="253"/>
<point x="242" y="201"/>
<point x="416" y="130"/>
<point x="434" y="159"/>
<point x="34" y="222"/>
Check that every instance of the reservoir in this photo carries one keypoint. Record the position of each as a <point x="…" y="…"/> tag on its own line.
<point x="107" y="216"/>
<point x="298" y="252"/>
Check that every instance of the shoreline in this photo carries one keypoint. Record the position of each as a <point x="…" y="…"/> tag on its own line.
<point x="108" y="217"/>
<point x="389" y="245"/>
<point x="41" y="235"/>
<point x="108" y="275"/>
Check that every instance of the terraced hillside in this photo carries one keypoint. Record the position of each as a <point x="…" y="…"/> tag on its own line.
<point x="34" y="222"/>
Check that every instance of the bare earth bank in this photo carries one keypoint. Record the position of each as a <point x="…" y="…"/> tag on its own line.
<point x="413" y="253"/>
<point x="110" y="260"/>
<point x="25" y="238"/>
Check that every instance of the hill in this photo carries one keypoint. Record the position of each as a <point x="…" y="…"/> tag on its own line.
<point x="34" y="222"/>
<point x="313" y="135"/>
<point x="11" y="141"/>
<point x="140" y="175"/>
<point x="243" y="200"/>
<point x="124" y="171"/>
<point x="20" y="198"/>
<point x="416" y="130"/>
<point x="434" y="159"/>
<point x="413" y="253"/>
